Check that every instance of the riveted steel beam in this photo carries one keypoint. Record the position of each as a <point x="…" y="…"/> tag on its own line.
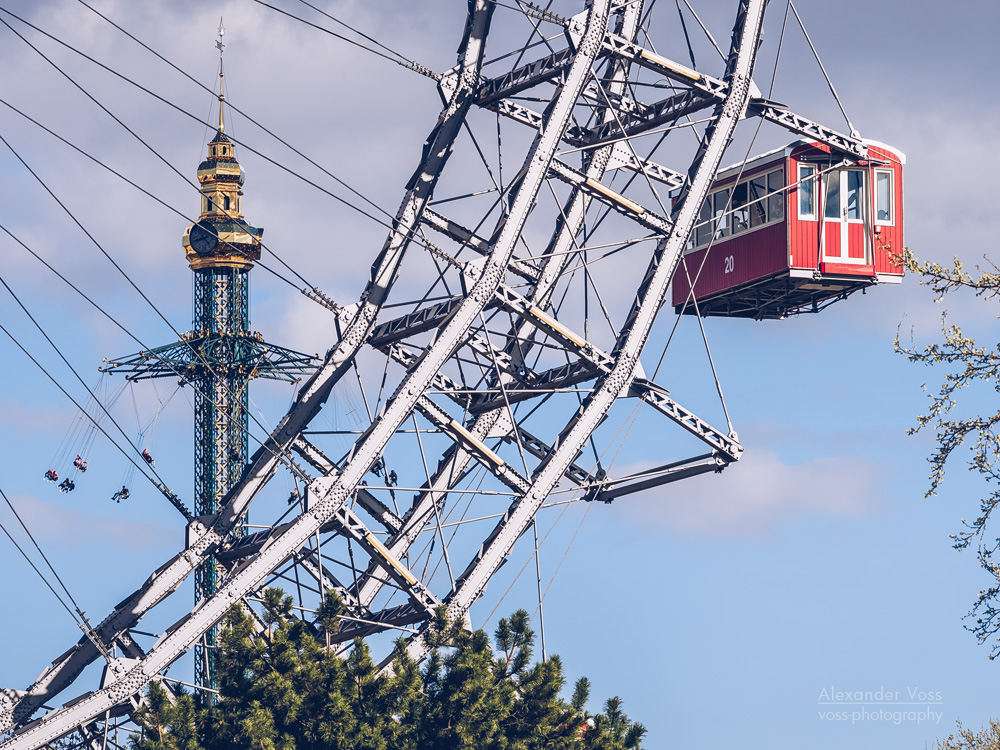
<point x="538" y="71"/>
<point x="459" y="88"/>
<point x="651" y="294"/>
<point x="657" y="477"/>
<point x="378" y="510"/>
<point x="660" y="400"/>
<point x="600" y="191"/>
<point x="472" y="444"/>
<point x="780" y="115"/>
<point x="477" y="244"/>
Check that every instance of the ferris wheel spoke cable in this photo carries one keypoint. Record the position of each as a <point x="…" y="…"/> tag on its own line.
<point x="630" y="421"/>
<point x="234" y="108"/>
<point x="519" y="51"/>
<point x="129" y="130"/>
<point x="128" y="333"/>
<point x="584" y="265"/>
<point x="396" y="58"/>
<point x="562" y="513"/>
<point x="356" y="31"/>
<point x="160" y="483"/>
<point x="628" y="142"/>
<point x="284" y="458"/>
<point x="242" y="144"/>
<point x="726" y="210"/>
<point x="164" y="490"/>
<point x="607" y="211"/>
<point x="704" y="28"/>
<point x="79" y="617"/>
<point x="133" y="184"/>
<point x="482" y="157"/>
<point x="539" y="15"/>
<point x="687" y="38"/>
<point x="829" y="83"/>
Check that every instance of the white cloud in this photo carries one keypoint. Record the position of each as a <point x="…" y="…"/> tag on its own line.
<point x="760" y="494"/>
<point x="62" y="526"/>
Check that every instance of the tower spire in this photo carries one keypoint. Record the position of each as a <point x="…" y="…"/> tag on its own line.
<point x="221" y="238"/>
<point x="222" y="97"/>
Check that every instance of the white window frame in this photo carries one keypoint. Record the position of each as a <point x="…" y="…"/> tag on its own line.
<point x="891" y="221"/>
<point x="812" y="175"/>
<point x="862" y="192"/>
<point x="842" y="177"/>
<point x="728" y="216"/>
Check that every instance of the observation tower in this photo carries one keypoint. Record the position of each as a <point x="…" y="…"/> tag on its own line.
<point x="220" y="355"/>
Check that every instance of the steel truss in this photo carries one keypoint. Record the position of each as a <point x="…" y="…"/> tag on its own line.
<point x="503" y="370"/>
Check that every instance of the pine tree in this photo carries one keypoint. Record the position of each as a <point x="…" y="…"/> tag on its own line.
<point x="166" y="723"/>
<point x="283" y="688"/>
<point x="328" y="615"/>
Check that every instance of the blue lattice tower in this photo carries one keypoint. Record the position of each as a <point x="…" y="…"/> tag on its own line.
<point x="220" y="355"/>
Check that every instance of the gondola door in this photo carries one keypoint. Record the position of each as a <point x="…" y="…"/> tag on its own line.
<point x="844" y="216"/>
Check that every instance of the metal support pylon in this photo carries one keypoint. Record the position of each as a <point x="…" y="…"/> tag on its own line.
<point x="219" y="356"/>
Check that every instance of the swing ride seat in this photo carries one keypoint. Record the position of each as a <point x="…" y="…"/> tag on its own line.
<point x="794" y="230"/>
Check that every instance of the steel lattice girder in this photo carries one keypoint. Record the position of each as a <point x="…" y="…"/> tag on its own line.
<point x="652" y="292"/>
<point x="240" y="354"/>
<point x="17" y="708"/>
<point x="703" y="92"/>
<point x="328" y="494"/>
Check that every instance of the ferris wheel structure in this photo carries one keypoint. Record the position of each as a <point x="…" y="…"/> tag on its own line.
<point x="498" y="347"/>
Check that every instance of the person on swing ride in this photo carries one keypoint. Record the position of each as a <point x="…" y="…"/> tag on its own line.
<point x="67" y="486"/>
<point x="147" y="458"/>
<point x="79" y="463"/>
<point x="122" y="494"/>
<point x="293" y="497"/>
<point x="51" y="476"/>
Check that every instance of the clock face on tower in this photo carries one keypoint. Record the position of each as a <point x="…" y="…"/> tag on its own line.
<point x="203" y="238"/>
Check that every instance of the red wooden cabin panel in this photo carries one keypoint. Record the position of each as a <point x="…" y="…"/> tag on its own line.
<point x="832" y="242"/>
<point x="834" y="249"/>
<point x="856" y="250"/>
<point x="888" y="236"/>
<point x="733" y="262"/>
<point x="803" y="234"/>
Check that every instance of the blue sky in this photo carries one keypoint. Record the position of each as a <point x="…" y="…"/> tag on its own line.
<point x="718" y="608"/>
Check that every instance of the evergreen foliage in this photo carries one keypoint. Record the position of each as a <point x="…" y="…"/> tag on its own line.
<point x="966" y="364"/>
<point x="283" y="688"/>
